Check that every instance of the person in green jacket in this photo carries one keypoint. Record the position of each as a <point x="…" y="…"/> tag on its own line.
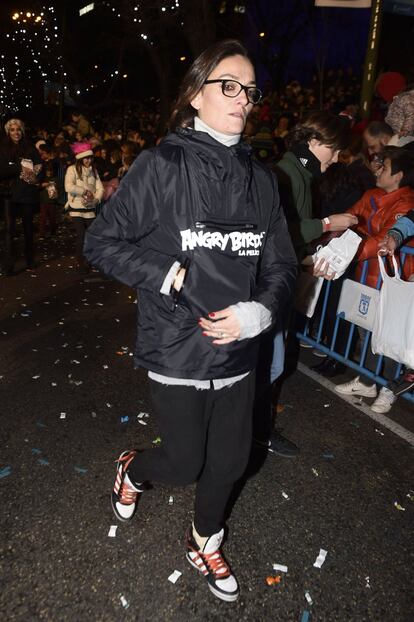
<point x="313" y="145"/>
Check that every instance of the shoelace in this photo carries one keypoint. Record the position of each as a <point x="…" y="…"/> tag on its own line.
<point x="216" y="564"/>
<point x="126" y="494"/>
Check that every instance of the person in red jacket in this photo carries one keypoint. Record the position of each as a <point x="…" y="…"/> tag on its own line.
<point x="379" y="209"/>
<point x="377" y="212"/>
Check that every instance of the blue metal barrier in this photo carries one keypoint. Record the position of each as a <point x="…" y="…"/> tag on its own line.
<point x="358" y="365"/>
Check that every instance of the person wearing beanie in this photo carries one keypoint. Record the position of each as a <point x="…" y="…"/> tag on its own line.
<point x="20" y="174"/>
<point x="85" y="191"/>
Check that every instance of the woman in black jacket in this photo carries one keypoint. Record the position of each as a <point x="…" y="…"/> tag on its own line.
<point x="197" y="228"/>
<point x="20" y="171"/>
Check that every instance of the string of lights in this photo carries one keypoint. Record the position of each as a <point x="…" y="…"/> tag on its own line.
<point x="33" y="57"/>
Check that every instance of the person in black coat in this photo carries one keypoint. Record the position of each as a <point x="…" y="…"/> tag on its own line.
<point x="20" y="174"/>
<point x="196" y="227"/>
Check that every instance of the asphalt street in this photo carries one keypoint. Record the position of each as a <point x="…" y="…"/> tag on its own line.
<point x="70" y="402"/>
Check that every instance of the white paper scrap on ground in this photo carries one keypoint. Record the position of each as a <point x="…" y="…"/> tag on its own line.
<point x="308" y="598"/>
<point x="285" y="495"/>
<point x="321" y="558"/>
<point x="124" y="601"/>
<point x="280" y="568"/>
<point x="62" y="415"/>
<point x="112" y="531"/>
<point x="171" y="500"/>
<point x="175" y="576"/>
<point x="142" y="422"/>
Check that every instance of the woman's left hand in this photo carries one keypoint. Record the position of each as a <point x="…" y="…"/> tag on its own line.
<point x="223" y="325"/>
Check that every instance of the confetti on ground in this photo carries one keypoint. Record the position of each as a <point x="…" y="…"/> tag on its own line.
<point x="280" y="568"/>
<point x="410" y="495"/>
<point x="93" y="414"/>
<point x="315" y="472"/>
<point x="321" y="558"/>
<point x="171" y="500"/>
<point x="62" y="416"/>
<point x="398" y="506"/>
<point x="157" y="441"/>
<point x="142" y="415"/>
<point x="43" y="461"/>
<point x="326" y="405"/>
<point x="124" y="419"/>
<point x="36" y="451"/>
<point x="124" y="601"/>
<point x="36" y="377"/>
<point x="105" y="366"/>
<point x="367" y="582"/>
<point x="305" y="616"/>
<point x="54" y="384"/>
<point x="80" y="470"/>
<point x="273" y="580"/>
<point x="285" y="495"/>
<point x="308" y="598"/>
<point x="142" y="422"/>
<point x="327" y="455"/>
<point x="112" y="531"/>
<point x="379" y="432"/>
<point x="109" y="405"/>
<point x="5" y="471"/>
<point x="175" y="576"/>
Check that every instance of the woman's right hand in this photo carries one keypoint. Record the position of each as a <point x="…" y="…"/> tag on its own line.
<point x="340" y="222"/>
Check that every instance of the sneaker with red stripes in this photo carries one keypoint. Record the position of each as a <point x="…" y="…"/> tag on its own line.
<point x="210" y="562"/>
<point x="124" y="496"/>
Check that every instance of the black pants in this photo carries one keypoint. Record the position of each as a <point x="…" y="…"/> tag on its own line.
<point x="80" y="224"/>
<point x="206" y="437"/>
<point x="11" y="212"/>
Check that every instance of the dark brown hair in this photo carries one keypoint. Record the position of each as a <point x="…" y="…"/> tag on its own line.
<point x="183" y="113"/>
<point x="329" y="129"/>
<point x="402" y="161"/>
<point x="78" y="167"/>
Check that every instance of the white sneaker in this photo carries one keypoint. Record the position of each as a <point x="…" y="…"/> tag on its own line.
<point x="384" y="401"/>
<point x="355" y="387"/>
<point x="210" y="562"/>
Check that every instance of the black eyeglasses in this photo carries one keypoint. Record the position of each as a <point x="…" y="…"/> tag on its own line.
<point x="232" y="88"/>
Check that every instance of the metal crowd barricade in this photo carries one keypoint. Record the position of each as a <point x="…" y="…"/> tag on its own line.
<point x="358" y="365"/>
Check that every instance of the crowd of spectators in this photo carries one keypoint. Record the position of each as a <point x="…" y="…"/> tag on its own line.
<point x="102" y="147"/>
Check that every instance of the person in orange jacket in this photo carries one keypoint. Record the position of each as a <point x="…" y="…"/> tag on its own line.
<point x="379" y="209"/>
<point x="377" y="212"/>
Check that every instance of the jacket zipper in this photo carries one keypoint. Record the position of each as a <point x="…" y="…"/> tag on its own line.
<point x="224" y="226"/>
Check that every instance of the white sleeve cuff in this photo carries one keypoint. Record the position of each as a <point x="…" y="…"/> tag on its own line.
<point x="254" y="318"/>
<point x="169" y="279"/>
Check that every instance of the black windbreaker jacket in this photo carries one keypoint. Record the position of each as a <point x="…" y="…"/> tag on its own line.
<point x="193" y="198"/>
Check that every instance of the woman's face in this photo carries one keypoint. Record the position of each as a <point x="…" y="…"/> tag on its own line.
<point x="15" y="132"/>
<point x="86" y="162"/>
<point x="325" y="154"/>
<point x="226" y="114"/>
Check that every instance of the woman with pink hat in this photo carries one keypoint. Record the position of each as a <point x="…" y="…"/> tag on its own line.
<point x="85" y="190"/>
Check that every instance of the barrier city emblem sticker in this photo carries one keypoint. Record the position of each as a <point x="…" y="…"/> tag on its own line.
<point x="364" y="304"/>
